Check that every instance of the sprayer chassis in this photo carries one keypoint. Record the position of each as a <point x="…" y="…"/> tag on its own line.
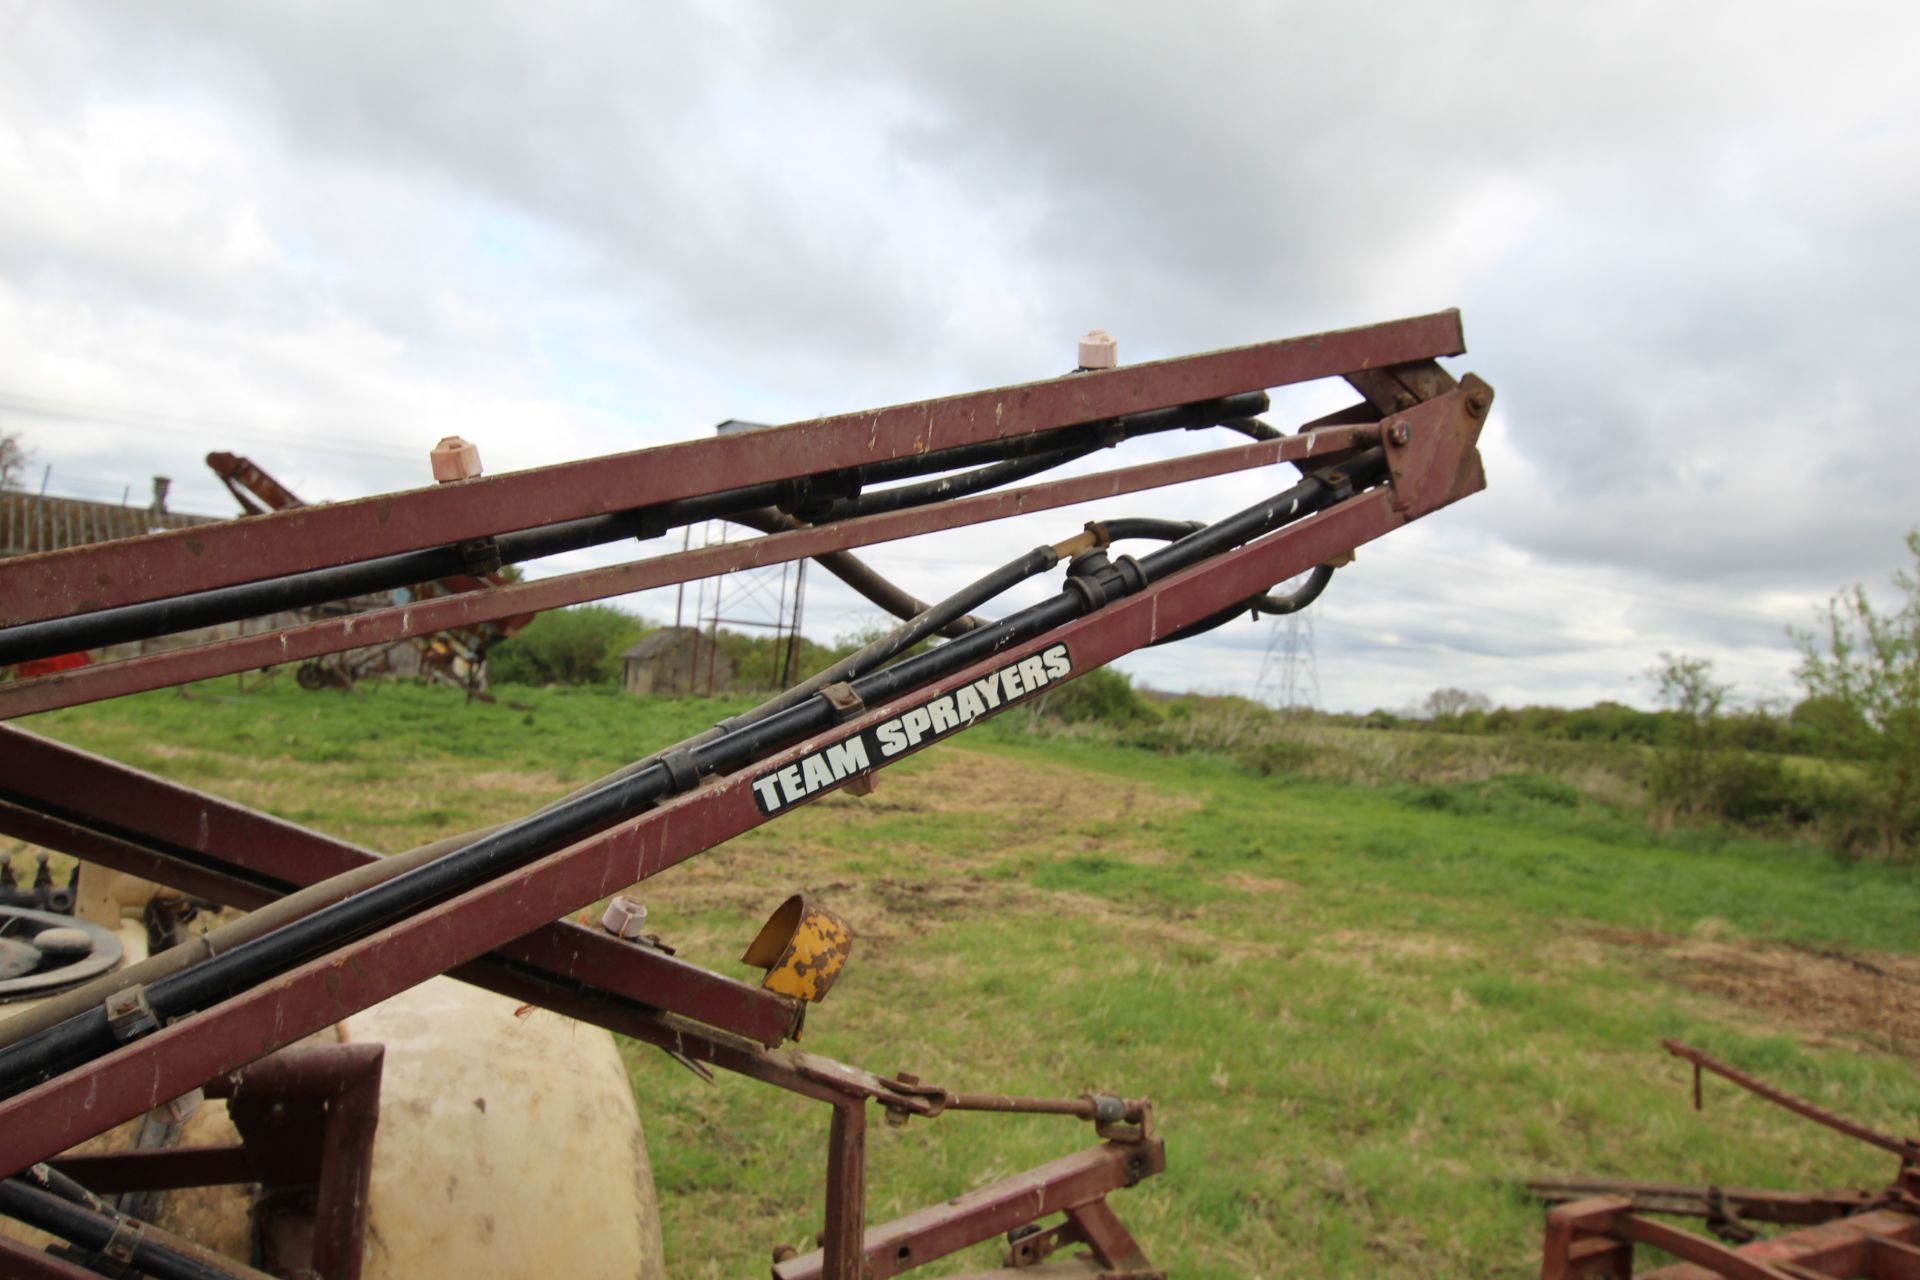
<point x="503" y="933"/>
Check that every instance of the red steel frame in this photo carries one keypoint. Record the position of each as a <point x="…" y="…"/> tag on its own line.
<point x="440" y="613"/>
<point x="84" y="579"/>
<point x="1426" y="425"/>
<point x="1857" y="1236"/>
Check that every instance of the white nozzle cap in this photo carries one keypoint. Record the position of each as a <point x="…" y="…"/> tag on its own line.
<point x="624" y="918"/>
<point x="455" y="459"/>
<point x="1098" y="351"/>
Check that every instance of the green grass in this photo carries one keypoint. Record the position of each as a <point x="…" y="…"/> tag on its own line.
<point x="1361" y="1011"/>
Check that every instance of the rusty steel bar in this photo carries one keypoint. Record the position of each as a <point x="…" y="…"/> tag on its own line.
<point x="968" y="1219"/>
<point x="846" y="1209"/>
<point x="1113" y="1245"/>
<point x="49" y="1117"/>
<point x="380" y="626"/>
<point x="109" y="1173"/>
<point x="213" y="848"/>
<point x="1083" y="1108"/>
<point x="1907" y="1150"/>
<point x="118" y="854"/>
<point x="344" y="1080"/>
<point x="1690" y="1200"/>
<point x="86" y="579"/>
<point x="1589" y="1236"/>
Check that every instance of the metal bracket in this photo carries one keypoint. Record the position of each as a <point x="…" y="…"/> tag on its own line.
<point x="126" y="1237"/>
<point x="481" y="556"/>
<point x="1033" y="1244"/>
<point x="1110" y="1119"/>
<point x="844" y="701"/>
<point x="129" y="1016"/>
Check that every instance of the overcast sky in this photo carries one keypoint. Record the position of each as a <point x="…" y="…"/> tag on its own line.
<point x="1682" y="236"/>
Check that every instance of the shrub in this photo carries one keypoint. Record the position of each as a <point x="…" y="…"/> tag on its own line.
<point x="1102" y="695"/>
<point x="581" y="645"/>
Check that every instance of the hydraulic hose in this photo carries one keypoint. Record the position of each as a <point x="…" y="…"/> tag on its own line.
<point x="929" y="620"/>
<point x="87" y="1035"/>
<point x="256" y="923"/>
<point x="317" y="586"/>
<point x="1300" y="597"/>
<point x="94" y="1231"/>
<point x="958" y="485"/>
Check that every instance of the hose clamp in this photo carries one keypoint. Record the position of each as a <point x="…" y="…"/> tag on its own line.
<point x="480" y="557"/>
<point x="845" y="702"/>
<point x="129" y="1016"/>
<point x="682" y="773"/>
<point x="126" y="1237"/>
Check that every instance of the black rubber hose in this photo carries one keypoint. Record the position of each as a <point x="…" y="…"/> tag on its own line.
<point x="44" y="1177"/>
<point x="1187" y="417"/>
<point x="147" y="619"/>
<point x="92" y="1231"/>
<point x="1253" y="427"/>
<point x="1147" y="527"/>
<point x="953" y="486"/>
<point x="88" y="1035"/>
<point x="1300" y="597"/>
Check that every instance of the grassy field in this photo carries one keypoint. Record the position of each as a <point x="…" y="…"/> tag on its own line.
<point x="1362" y="1011"/>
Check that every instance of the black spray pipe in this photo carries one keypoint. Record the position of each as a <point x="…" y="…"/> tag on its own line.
<point x="811" y="494"/>
<point x="88" y="1035"/>
<point x="93" y="1231"/>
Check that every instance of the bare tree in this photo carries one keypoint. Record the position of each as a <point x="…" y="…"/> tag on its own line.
<point x="1443" y="704"/>
<point x="14" y="457"/>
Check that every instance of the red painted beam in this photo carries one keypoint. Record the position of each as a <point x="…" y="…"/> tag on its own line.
<point x="382" y="626"/>
<point x="84" y="579"/>
<point x="968" y="1219"/>
<point x="97" y="792"/>
<point x="57" y="1113"/>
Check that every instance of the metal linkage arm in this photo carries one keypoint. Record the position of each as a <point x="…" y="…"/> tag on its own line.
<point x="1907" y="1149"/>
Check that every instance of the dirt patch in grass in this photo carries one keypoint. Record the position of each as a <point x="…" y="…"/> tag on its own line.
<point x="1873" y="998"/>
<point x="1022" y="792"/>
<point x="1365" y="945"/>
<point x="1824" y="996"/>
<point x="1246" y="882"/>
<point x="1029" y="805"/>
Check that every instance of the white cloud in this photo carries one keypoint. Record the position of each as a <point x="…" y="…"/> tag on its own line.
<point x="325" y="235"/>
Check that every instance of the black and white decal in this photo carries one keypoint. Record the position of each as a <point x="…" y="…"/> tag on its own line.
<point x="935" y="718"/>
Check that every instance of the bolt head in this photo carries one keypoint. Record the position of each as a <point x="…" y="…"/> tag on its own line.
<point x="1399" y="433"/>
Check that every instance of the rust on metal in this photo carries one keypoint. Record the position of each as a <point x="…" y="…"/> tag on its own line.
<point x="46" y="1118"/>
<point x="1907" y="1149"/>
<point x="257" y="547"/>
<point x="1854" y="1235"/>
<point x="501" y="932"/>
<point x="444" y="612"/>
<point x="803" y="947"/>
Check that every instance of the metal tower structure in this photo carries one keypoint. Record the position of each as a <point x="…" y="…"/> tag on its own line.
<point x="769" y="599"/>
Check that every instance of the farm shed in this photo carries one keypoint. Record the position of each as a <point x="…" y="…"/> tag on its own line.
<point x="675" y="660"/>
